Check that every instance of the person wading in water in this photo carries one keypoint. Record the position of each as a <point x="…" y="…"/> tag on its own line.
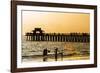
<point x="45" y="54"/>
<point x="56" y="51"/>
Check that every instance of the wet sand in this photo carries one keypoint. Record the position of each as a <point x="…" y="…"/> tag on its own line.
<point x="51" y="58"/>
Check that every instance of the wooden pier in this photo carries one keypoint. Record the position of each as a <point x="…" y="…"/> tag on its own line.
<point x="38" y="35"/>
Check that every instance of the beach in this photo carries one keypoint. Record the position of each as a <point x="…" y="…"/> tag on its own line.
<point x="33" y="50"/>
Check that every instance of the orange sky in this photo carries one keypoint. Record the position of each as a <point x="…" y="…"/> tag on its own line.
<point x="58" y="22"/>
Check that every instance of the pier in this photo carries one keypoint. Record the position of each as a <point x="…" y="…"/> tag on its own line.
<point x="39" y="35"/>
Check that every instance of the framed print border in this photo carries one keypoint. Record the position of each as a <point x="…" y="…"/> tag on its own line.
<point x="45" y="4"/>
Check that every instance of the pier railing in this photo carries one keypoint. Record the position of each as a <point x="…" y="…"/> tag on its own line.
<point x="71" y="37"/>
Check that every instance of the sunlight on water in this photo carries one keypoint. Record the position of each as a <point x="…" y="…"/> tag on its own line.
<point x="33" y="50"/>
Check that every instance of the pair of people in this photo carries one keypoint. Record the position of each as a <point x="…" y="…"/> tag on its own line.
<point x="45" y="54"/>
<point x="56" y="54"/>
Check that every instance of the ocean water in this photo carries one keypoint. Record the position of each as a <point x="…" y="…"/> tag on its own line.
<point x="33" y="50"/>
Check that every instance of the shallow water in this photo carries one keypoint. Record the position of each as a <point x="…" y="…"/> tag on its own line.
<point x="33" y="50"/>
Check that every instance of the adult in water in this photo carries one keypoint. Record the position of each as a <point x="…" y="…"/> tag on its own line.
<point x="56" y="51"/>
<point x="45" y="54"/>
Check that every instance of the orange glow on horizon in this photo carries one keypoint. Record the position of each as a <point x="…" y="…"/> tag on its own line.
<point x="58" y="22"/>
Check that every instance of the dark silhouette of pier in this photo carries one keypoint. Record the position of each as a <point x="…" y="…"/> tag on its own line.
<point x="39" y="35"/>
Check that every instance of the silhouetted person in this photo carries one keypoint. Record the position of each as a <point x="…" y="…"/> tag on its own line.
<point x="61" y="54"/>
<point x="56" y="50"/>
<point x="45" y="54"/>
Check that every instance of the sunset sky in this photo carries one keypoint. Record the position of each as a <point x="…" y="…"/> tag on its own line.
<point x="58" y="22"/>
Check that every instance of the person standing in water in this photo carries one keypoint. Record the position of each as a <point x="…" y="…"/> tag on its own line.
<point x="56" y="50"/>
<point x="45" y="54"/>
